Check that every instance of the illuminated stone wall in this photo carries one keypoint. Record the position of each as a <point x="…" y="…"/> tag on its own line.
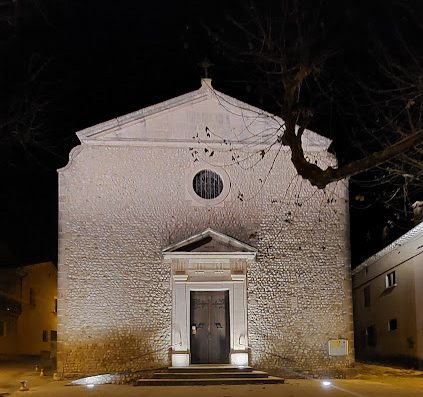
<point x="119" y="206"/>
<point x="127" y="193"/>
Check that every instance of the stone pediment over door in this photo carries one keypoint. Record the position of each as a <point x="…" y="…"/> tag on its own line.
<point x="210" y="243"/>
<point x="209" y="256"/>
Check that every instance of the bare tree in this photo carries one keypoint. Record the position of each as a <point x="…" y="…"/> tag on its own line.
<point x="28" y="89"/>
<point x="296" y="53"/>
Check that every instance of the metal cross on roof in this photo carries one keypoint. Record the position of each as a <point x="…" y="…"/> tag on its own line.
<point x="206" y="64"/>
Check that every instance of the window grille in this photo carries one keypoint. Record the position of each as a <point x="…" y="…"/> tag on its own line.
<point x="207" y="184"/>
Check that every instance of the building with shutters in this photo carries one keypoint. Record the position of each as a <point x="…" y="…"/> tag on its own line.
<point x="388" y="302"/>
<point x="28" y="310"/>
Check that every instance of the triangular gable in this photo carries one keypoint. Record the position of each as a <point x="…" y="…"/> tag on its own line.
<point x="183" y="119"/>
<point x="209" y="241"/>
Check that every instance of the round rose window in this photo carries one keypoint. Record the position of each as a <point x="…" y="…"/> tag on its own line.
<point x="207" y="184"/>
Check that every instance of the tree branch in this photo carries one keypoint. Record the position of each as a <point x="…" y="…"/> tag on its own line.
<point x="321" y="178"/>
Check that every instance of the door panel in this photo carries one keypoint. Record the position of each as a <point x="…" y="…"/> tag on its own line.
<point x="210" y="327"/>
<point x="199" y="320"/>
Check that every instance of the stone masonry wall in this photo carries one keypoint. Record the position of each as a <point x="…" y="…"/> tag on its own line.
<point x="119" y="206"/>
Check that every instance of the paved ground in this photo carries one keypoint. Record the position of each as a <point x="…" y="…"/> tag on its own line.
<point x="11" y="372"/>
<point x="372" y="381"/>
<point x="292" y="388"/>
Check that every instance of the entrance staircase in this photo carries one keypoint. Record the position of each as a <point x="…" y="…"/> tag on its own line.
<point x="209" y="375"/>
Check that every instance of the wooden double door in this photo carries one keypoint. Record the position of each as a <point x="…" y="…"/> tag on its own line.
<point x="210" y="337"/>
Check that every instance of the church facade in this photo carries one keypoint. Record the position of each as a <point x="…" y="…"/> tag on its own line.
<point x="186" y="237"/>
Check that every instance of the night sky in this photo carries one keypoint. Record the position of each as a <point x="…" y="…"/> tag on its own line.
<point x="68" y="65"/>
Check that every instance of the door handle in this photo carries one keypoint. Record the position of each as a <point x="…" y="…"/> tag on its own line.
<point x="193" y="329"/>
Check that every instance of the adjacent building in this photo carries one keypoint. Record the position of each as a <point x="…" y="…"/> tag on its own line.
<point x="388" y="302"/>
<point x="10" y="310"/>
<point x="28" y="310"/>
<point x="186" y="237"/>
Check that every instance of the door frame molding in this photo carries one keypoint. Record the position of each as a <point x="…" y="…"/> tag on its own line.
<point x="205" y="273"/>
<point x="209" y="261"/>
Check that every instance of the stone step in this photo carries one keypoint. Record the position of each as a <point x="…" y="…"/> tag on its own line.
<point x="209" y="368"/>
<point x="210" y="375"/>
<point x="208" y="382"/>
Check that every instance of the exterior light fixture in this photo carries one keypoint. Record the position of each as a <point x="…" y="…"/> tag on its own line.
<point x="23" y="385"/>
